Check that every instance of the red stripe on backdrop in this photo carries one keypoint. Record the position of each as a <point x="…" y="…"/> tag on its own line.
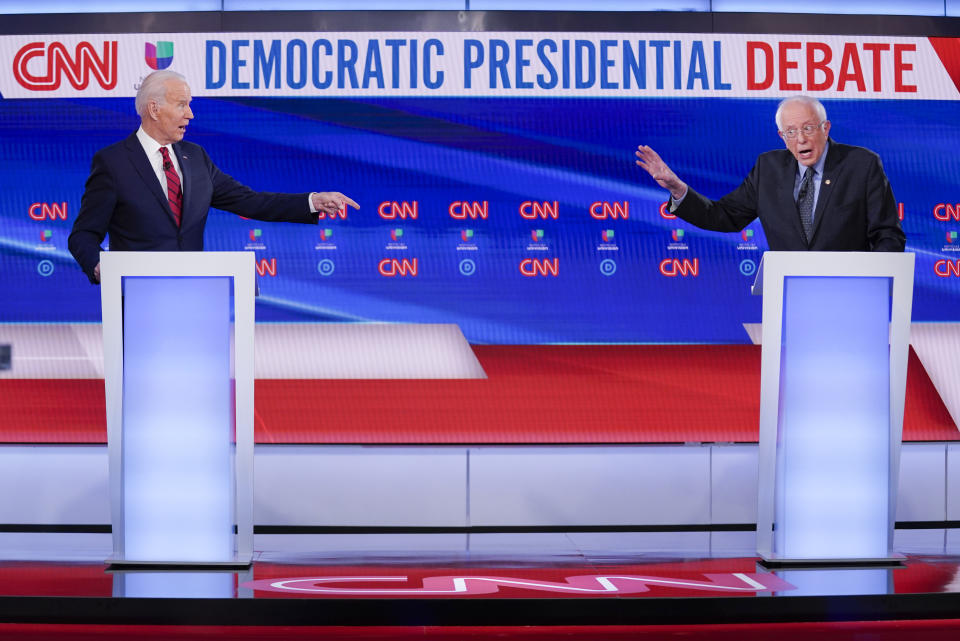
<point x="948" y="49"/>
<point x="937" y="630"/>
<point x="533" y="394"/>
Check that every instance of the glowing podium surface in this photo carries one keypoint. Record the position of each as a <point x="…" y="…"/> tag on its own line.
<point x="178" y="371"/>
<point x="836" y="332"/>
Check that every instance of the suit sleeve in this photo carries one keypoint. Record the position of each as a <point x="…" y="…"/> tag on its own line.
<point x="96" y="210"/>
<point x="884" y="232"/>
<point x="233" y="196"/>
<point x="731" y="213"/>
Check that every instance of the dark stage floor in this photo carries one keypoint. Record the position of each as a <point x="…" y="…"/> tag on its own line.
<point x="477" y="579"/>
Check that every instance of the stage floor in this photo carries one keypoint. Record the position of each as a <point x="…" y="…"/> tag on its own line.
<point x="475" y="579"/>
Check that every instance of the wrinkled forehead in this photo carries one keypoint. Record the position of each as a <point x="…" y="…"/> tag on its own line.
<point x="177" y="90"/>
<point x="797" y="113"/>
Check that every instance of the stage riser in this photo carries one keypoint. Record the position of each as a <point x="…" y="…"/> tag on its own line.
<point x="455" y="486"/>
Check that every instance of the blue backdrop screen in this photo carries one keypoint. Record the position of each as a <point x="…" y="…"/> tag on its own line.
<point x="524" y="221"/>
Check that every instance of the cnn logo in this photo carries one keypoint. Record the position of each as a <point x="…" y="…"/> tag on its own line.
<point x="340" y="213"/>
<point x="946" y="212"/>
<point x="390" y="210"/>
<point x="391" y="267"/>
<point x="53" y="61"/>
<point x="946" y="268"/>
<point x="532" y="210"/>
<point x="531" y="267"/>
<point x="48" y="211"/>
<point x="603" y="210"/>
<point x="462" y="209"/>
<point x="674" y="267"/>
<point x="266" y="267"/>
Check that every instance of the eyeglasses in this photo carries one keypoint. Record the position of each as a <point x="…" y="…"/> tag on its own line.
<point x="808" y="130"/>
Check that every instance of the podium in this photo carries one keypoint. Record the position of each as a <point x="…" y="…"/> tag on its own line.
<point x="835" y="343"/>
<point x="178" y="372"/>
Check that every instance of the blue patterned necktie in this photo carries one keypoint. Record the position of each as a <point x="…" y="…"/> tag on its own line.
<point x="805" y="203"/>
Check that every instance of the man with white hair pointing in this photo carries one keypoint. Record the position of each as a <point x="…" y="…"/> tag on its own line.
<point x="152" y="191"/>
<point x="817" y="194"/>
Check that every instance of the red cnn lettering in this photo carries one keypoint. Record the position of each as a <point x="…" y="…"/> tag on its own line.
<point x="532" y="210"/>
<point x="665" y="213"/>
<point x="602" y="210"/>
<point x="900" y="211"/>
<point x="461" y="209"/>
<point x="392" y="209"/>
<point x="392" y="267"/>
<point x="764" y="51"/>
<point x="822" y="65"/>
<point x="266" y="266"/>
<point x="44" y="211"/>
<point x="540" y="266"/>
<point x="674" y="267"/>
<point x="946" y="268"/>
<point x="59" y="62"/>
<point x="340" y="213"/>
<point x="900" y="67"/>
<point x="946" y="211"/>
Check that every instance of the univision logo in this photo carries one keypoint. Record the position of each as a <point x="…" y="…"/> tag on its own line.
<point x="160" y="55"/>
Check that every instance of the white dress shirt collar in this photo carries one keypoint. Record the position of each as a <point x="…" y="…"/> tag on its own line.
<point x="152" y="149"/>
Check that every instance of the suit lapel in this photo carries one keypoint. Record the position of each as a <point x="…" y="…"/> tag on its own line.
<point x="184" y="160"/>
<point x="831" y="172"/>
<point x="138" y="158"/>
<point x="787" y="180"/>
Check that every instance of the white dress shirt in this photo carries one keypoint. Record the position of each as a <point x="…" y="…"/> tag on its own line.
<point x="152" y="148"/>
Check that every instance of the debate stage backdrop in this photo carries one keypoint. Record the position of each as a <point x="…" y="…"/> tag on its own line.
<point x="494" y="170"/>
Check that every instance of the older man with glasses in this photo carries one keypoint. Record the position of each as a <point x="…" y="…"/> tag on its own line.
<point x="817" y="194"/>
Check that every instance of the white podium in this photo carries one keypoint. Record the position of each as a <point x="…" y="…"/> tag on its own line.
<point x="178" y="370"/>
<point x="836" y="333"/>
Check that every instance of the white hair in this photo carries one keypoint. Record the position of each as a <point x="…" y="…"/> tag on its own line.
<point x="154" y="88"/>
<point x="804" y="100"/>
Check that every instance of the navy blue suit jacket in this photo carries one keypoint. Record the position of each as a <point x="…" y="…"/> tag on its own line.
<point x="124" y="198"/>
<point x="855" y="210"/>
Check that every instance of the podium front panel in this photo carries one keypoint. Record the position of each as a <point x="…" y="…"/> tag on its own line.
<point x="833" y="436"/>
<point x="178" y="377"/>
<point x="177" y="427"/>
<point x="836" y="331"/>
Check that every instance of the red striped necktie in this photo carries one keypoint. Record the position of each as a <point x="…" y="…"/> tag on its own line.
<point x="174" y="193"/>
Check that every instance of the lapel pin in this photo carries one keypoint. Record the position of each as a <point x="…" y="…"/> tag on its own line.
<point x="828" y="181"/>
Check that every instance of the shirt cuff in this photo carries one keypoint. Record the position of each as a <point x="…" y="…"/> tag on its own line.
<point x="313" y="210"/>
<point x="675" y="202"/>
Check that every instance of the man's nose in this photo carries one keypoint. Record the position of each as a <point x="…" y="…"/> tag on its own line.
<point x="189" y="113"/>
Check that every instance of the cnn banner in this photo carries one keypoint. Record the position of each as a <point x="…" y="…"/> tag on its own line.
<point x="490" y="64"/>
